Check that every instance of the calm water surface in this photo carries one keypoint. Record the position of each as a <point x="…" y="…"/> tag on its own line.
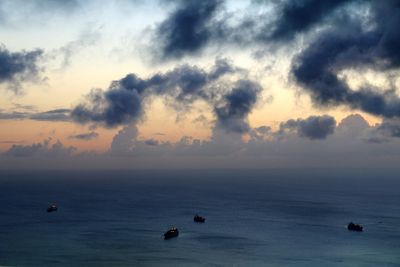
<point x="254" y="218"/>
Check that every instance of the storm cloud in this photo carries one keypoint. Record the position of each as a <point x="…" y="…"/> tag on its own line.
<point x="188" y="28"/>
<point x="337" y="39"/>
<point x="238" y="103"/>
<point x="111" y="108"/>
<point x="295" y="17"/>
<point x="122" y="102"/>
<point x="353" y="47"/>
<point x="17" y="67"/>
<point x="194" y="25"/>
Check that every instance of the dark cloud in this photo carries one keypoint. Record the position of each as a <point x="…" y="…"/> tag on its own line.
<point x="17" y="67"/>
<point x="222" y="66"/>
<point x="338" y="35"/>
<point x="314" y="127"/>
<point x="111" y="108"/>
<point x="188" y="28"/>
<point x="189" y="79"/>
<point x="85" y="136"/>
<point x="122" y="103"/>
<point x="194" y="25"/>
<point x="353" y="46"/>
<point x="43" y="149"/>
<point x="299" y="16"/>
<point x="238" y="103"/>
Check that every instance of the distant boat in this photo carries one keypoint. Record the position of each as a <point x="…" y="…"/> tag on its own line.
<point x="173" y="232"/>
<point x="199" y="219"/>
<point x="354" y="227"/>
<point x="52" y="208"/>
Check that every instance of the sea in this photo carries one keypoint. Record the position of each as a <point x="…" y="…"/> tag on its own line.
<point x="272" y="217"/>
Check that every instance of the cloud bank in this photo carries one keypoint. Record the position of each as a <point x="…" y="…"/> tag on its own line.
<point x="42" y="149"/>
<point x="348" y="145"/>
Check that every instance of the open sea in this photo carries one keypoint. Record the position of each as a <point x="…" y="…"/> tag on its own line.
<point x="253" y="218"/>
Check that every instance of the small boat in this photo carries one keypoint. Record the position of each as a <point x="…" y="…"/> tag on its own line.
<point x="199" y="219"/>
<point x="173" y="232"/>
<point x="52" y="208"/>
<point x="354" y="227"/>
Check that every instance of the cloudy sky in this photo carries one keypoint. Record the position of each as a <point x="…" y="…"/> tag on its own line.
<point x="199" y="84"/>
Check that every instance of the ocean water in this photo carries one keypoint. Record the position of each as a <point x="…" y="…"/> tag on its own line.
<point x="254" y="218"/>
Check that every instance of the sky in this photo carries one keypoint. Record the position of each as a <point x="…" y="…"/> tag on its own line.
<point x="199" y="84"/>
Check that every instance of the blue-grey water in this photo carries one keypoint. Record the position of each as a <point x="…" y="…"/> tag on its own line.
<point x="254" y="218"/>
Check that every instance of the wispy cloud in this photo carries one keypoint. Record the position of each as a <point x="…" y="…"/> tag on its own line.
<point x="85" y="136"/>
<point x="51" y="115"/>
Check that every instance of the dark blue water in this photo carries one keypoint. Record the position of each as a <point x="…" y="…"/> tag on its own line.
<point x="254" y="218"/>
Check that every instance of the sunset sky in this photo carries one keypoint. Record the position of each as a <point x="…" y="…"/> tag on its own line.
<point x="180" y="83"/>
